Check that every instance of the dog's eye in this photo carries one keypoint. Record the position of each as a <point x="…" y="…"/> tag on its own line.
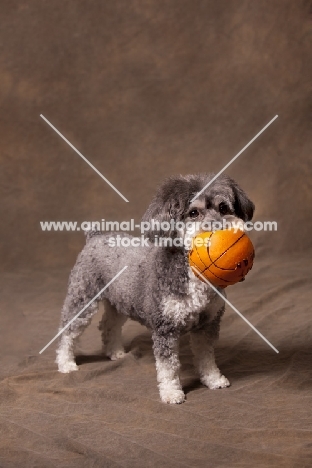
<point x="223" y="208"/>
<point x="194" y="213"/>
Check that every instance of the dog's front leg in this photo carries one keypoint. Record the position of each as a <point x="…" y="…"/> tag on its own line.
<point x="202" y="342"/>
<point x="202" y="347"/>
<point x="166" y="351"/>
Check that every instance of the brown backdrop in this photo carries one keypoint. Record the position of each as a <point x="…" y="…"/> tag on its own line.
<point x="147" y="89"/>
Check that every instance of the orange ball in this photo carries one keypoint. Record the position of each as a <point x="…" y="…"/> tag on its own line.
<point x="223" y="257"/>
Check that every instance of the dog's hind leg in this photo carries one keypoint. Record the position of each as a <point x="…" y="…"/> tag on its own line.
<point x="65" y="357"/>
<point x="111" y="326"/>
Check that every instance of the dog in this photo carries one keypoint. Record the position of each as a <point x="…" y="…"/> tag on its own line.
<point x="158" y="289"/>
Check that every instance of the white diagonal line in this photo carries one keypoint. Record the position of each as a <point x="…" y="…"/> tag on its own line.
<point x="84" y="158"/>
<point x="233" y="159"/>
<point x="234" y="308"/>
<point x="82" y="310"/>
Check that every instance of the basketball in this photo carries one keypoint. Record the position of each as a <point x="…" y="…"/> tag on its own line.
<point x="223" y="257"/>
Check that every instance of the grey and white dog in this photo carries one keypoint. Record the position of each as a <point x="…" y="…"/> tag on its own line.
<point x="158" y="289"/>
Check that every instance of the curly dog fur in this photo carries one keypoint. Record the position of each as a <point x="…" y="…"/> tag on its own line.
<point x="158" y="289"/>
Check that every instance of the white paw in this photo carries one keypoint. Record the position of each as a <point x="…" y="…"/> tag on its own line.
<point x="68" y="367"/>
<point x="217" y="381"/>
<point x="114" y="355"/>
<point x="172" y="396"/>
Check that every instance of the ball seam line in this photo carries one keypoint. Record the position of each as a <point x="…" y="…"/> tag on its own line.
<point x="237" y="240"/>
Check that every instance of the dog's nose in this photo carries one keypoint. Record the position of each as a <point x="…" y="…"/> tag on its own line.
<point x="213" y="217"/>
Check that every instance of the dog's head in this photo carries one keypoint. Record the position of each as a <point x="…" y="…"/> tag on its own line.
<point x="172" y="206"/>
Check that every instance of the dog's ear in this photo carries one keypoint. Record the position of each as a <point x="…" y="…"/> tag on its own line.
<point x="170" y="203"/>
<point x="243" y="206"/>
<point x="157" y="214"/>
